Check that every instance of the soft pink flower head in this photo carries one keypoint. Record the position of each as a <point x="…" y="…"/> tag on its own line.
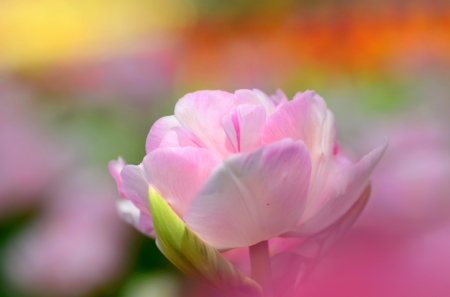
<point x="246" y="167"/>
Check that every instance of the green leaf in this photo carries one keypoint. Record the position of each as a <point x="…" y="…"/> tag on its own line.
<point x="193" y="256"/>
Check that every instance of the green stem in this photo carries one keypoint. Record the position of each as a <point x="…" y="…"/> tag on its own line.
<point x="260" y="264"/>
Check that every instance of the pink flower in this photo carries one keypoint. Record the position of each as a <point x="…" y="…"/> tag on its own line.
<point x="245" y="167"/>
<point x="77" y="246"/>
<point x="30" y="158"/>
<point x="400" y="245"/>
<point x="128" y="212"/>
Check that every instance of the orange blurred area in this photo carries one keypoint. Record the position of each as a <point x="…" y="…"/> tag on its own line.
<point x="354" y="37"/>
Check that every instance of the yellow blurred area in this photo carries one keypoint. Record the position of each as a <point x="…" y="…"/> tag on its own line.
<point x="35" y="33"/>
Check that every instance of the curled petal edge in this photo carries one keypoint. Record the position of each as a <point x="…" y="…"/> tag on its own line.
<point x="302" y="260"/>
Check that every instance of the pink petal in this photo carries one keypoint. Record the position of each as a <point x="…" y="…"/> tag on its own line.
<point x="251" y="121"/>
<point x="178" y="173"/>
<point x="230" y="124"/>
<point x="146" y="225"/>
<point x="168" y="132"/>
<point x="201" y="113"/>
<point x="243" y="126"/>
<point x="158" y="131"/>
<point x="115" y="167"/>
<point x="135" y="186"/>
<point x="266" y="101"/>
<point x="257" y="97"/>
<point x="252" y="197"/>
<point x="133" y="216"/>
<point x="307" y="118"/>
<point x="304" y="118"/>
<point x="348" y="187"/>
<point x="279" y="98"/>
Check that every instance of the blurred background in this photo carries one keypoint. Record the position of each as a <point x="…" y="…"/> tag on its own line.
<point x="81" y="83"/>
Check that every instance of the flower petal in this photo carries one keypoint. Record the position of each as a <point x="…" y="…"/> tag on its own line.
<point x="135" y="186"/>
<point x="307" y="118"/>
<point x="252" y="197"/>
<point x="133" y="216"/>
<point x="291" y="267"/>
<point x="257" y="97"/>
<point x="115" y="167"/>
<point x="348" y="187"/>
<point x="243" y="126"/>
<point x="251" y="121"/>
<point x="304" y="118"/>
<point x="168" y="132"/>
<point x="279" y="98"/>
<point x="201" y="113"/>
<point x="178" y="173"/>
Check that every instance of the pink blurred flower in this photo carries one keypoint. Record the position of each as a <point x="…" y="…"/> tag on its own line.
<point x="245" y="167"/>
<point x="400" y="245"/>
<point x="28" y="155"/>
<point x="132" y="77"/>
<point x="78" y="245"/>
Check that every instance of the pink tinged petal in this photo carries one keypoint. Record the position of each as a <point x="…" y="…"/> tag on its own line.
<point x="304" y="118"/>
<point x="115" y="167"/>
<point x="255" y="97"/>
<point x="146" y="225"/>
<point x="201" y="113"/>
<point x="230" y="124"/>
<point x="168" y="132"/>
<point x="279" y="98"/>
<point x="158" y="131"/>
<point x="243" y="126"/>
<point x="292" y="266"/>
<point x="133" y="216"/>
<point x="252" y="197"/>
<point x="135" y="186"/>
<point x="348" y="187"/>
<point x="266" y="101"/>
<point x="307" y="118"/>
<point x="178" y="173"/>
<point x="251" y="122"/>
<point x="326" y="166"/>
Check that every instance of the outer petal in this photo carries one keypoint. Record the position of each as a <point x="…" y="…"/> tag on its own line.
<point x="279" y="98"/>
<point x="292" y="266"/>
<point x="348" y="187"/>
<point x="256" y="97"/>
<point x="252" y="197"/>
<point x="168" y="132"/>
<point x="307" y="118"/>
<point x="201" y="113"/>
<point x="135" y="186"/>
<point x="133" y="216"/>
<point x="178" y="173"/>
<point x="115" y="167"/>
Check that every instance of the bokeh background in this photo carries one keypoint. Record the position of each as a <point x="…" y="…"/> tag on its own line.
<point x="81" y="83"/>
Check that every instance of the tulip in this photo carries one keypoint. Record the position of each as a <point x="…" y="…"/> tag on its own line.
<point x="241" y="169"/>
